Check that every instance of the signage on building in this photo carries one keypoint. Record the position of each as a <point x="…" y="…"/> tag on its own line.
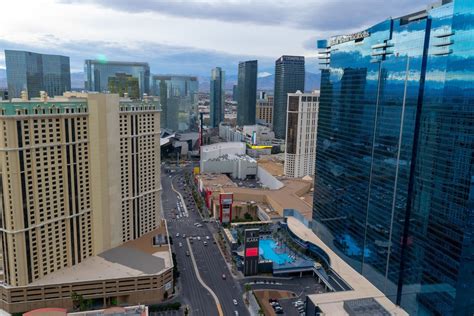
<point x="251" y="253"/>
<point x="225" y="206"/>
<point x="346" y="38"/>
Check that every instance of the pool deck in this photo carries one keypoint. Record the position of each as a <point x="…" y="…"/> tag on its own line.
<point x="332" y="303"/>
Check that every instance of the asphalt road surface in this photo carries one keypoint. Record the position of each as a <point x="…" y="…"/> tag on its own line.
<point x="209" y="260"/>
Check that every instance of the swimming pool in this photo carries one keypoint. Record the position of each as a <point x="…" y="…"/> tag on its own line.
<point x="267" y="249"/>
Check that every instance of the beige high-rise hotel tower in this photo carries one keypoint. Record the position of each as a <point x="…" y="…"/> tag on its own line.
<point x="79" y="176"/>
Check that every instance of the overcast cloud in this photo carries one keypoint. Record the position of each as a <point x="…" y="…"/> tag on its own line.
<point x="187" y="36"/>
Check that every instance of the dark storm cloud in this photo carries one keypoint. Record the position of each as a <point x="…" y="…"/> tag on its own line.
<point x="322" y="15"/>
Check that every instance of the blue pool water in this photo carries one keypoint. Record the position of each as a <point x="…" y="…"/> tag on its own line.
<point x="267" y="249"/>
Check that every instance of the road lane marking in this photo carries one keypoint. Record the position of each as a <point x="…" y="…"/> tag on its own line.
<point x="214" y="296"/>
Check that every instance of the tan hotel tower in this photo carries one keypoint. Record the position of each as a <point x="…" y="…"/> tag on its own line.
<point x="79" y="176"/>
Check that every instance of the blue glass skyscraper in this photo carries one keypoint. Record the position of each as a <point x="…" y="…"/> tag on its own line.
<point x="33" y="72"/>
<point x="178" y="99"/>
<point x="100" y="73"/>
<point x="394" y="182"/>
<point x="247" y="93"/>
<point x="289" y="78"/>
<point x="217" y="97"/>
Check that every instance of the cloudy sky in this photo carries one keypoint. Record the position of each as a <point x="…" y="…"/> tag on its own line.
<point x="187" y="36"/>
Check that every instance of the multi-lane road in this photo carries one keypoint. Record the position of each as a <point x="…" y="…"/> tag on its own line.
<point x="208" y="258"/>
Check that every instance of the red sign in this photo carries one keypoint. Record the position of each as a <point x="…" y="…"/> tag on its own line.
<point x="251" y="252"/>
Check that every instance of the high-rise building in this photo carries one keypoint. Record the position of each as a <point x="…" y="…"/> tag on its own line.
<point x="289" y="78"/>
<point x="235" y="92"/>
<point x="246" y="103"/>
<point x="124" y="85"/>
<point x="394" y="184"/>
<point x="78" y="177"/>
<point x="33" y="72"/>
<point x="98" y="74"/>
<point x="301" y="130"/>
<point x="265" y="110"/>
<point x="178" y="98"/>
<point x="217" y="97"/>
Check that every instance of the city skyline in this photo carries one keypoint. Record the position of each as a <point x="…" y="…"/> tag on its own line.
<point x="83" y="36"/>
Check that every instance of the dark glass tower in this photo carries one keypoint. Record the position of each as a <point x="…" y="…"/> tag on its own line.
<point x="289" y="78"/>
<point x="217" y="97"/>
<point x="394" y="182"/>
<point x="35" y="72"/>
<point x="178" y="98"/>
<point x="247" y="93"/>
<point x="99" y="72"/>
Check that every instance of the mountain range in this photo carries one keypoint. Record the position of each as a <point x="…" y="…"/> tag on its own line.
<point x="265" y="81"/>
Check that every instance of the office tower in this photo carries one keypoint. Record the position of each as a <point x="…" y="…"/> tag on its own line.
<point x="301" y="131"/>
<point x="394" y="185"/>
<point x="217" y="97"/>
<point x="265" y="110"/>
<point x="99" y="74"/>
<point x="246" y="103"/>
<point x="235" y="92"/>
<point x="124" y="85"/>
<point x="79" y="176"/>
<point x="178" y="98"/>
<point x="289" y="78"/>
<point x="33" y="72"/>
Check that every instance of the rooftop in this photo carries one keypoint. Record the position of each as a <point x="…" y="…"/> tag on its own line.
<point x="332" y="303"/>
<point x="134" y="258"/>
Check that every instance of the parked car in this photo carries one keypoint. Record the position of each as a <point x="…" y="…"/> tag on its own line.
<point x="234" y="301"/>
<point x="223" y="276"/>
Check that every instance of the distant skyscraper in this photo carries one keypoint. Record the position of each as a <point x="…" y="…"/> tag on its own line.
<point x="394" y="180"/>
<point x="178" y="98"/>
<point x="235" y="92"/>
<point x="246" y="103"/>
<point x="265" y="110"/>
<point x="289" y="78"/>
<point x="217" y="97"/>
<point x="301" y="128"/>
<point x="98" y="74"/>
<point x="35" y="72"/>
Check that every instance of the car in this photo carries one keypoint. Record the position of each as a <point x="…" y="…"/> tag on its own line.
<point x="180" y="244"/>
<point x="205" y="243"/>
<point x="187" y="253"/>
<point x="207" y="237"/>
<point x="184" y="235"/>
<point x="236" y="313"/>
<point x="234" y="301"/>
<point x="177" y="234"/>
<point x="223" y="276"/>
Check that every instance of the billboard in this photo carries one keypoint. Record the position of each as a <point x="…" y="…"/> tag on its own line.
<point x="225" y="207"/>
<point x="251" y="253"/>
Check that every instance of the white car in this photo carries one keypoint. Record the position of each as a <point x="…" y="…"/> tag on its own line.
<point x="207" y="237"/>
<point x="234" y="301"/>
<point x="180" y="244"/>
<point x="177" y="234"/>
<point x="199" y="238"/>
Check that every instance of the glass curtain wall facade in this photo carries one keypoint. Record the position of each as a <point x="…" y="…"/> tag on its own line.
<point x="178" y="98"/>
<point x="35" y="72"/>
<point x="98" y="74"/>
<point x="394" y="166"/>
<point x="217" y="97"/>
<point x="247" y="93"/>
<point x="289" y="78"/>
